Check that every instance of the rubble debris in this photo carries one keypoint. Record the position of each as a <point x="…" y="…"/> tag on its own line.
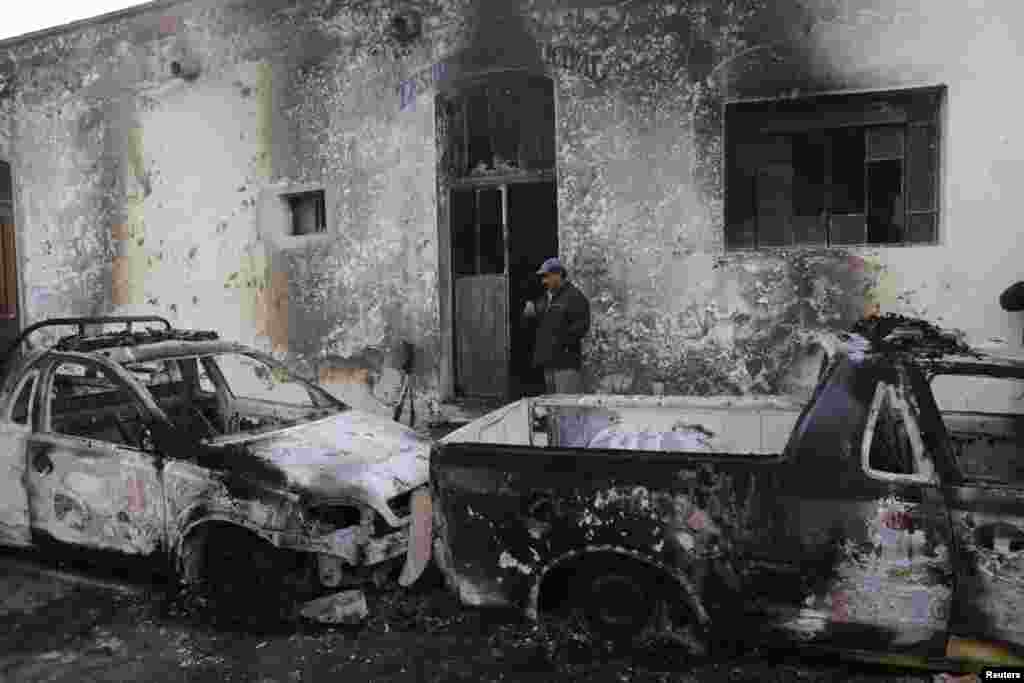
<point x="346" y="607"/>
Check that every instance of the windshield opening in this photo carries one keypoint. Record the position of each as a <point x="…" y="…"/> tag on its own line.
<point x="231" y="393"/>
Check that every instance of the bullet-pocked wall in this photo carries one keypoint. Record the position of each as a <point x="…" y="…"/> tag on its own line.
<point x="141" y="185"/>
<point x="153" y="154"/>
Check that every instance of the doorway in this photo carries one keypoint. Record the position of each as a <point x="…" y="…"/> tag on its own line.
<point x="496" y="138"/>
<point x="500" y="235"/>
<point x="8" y="260"/>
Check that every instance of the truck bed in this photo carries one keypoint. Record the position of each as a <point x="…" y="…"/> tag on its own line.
<point x="717" y="424"/>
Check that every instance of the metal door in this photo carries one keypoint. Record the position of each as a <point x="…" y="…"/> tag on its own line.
<point x="864" y="523"/>
<point x="480" y="276"/>
<point x="15" y="430"/>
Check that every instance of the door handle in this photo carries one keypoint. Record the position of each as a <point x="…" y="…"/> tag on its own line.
<point x="42" y="463"/>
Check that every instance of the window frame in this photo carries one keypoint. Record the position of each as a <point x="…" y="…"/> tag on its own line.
<point x="967" y="478"/>
<point x="751" y="120"/>
<point x="34" y="375"/>
<point x="319" y="195"/>
<point x="478" y="232"/>
<point x="214" y="360"/>
<point x="209" y="362"/>
<point x="45" y="423"/>
<point x="927" y="473"/>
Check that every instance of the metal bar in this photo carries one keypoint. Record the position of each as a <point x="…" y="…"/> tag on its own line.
<point x="80" y="323"/>
<point x="508" y="291"/>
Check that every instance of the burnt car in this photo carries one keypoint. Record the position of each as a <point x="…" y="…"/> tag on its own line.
<point x="883" y="517"/>
<point x="177" y="445"/>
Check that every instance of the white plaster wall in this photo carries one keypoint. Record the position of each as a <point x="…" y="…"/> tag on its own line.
<point x="975" y="49"/>
<point x="199" y="141"/>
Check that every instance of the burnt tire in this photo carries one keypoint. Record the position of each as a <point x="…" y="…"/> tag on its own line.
<point x="618" y="605"/>
<point x="601" y="605"/>
<point x="241" y="577"/>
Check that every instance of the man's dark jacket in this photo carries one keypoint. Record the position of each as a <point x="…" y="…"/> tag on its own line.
<point x="561" y="327"/>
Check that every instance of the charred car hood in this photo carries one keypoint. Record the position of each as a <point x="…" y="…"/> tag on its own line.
<point x="353" y="455"/>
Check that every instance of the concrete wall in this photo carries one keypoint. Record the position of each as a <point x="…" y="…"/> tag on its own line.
<point x="140" y="191"/>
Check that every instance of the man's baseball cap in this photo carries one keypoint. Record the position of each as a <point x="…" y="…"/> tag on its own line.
<point x="552" y="265"/>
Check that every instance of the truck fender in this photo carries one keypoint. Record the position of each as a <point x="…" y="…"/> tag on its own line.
<point x="690" y="598"/>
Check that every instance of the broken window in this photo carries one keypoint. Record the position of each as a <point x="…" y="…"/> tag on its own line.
<point x="893" y="441"/>
<point x="478" y="231"/>
<point x="308" y="211"/>
<point x="833" y="170"/>
<point x="890" y="444"/>
<point x="503" y="124"/>
<point x="250" y="378"/>
<point x="21" y="412"/>
<point x="984" y="417"/>
<point x="163" y="379"/>
<point x="88" y="402"/>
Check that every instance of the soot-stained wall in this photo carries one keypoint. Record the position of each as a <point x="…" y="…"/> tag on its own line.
<point x="139" y="190"/>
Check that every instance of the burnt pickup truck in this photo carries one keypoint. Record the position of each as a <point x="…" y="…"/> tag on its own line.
<point x="884" y="516"/>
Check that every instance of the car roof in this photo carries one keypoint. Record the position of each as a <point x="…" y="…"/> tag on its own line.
<point x="140" y="346"/>
<point x="127" y="345"/>
<point x="142" y="353"/>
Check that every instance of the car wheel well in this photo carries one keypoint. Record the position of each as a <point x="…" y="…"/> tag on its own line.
<point x="616" y="595"/>
<point x="561" y="580"/>
<point x="192" y="549"/>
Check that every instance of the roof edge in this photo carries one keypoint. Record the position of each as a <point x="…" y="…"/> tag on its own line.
<point x="124" y="13"/>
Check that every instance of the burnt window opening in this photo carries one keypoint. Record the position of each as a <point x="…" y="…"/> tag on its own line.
<point x="833" y="170"/>
<point x="21" y="411"/>
<point x="501" y="125"/>
<point x="308" y="212"/>
<point x="478" y="232"/>
<point x="891" y="450"/>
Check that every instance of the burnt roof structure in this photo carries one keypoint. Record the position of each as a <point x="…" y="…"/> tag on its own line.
<point x="935" y="349"/>
<point x="84" y="341"/>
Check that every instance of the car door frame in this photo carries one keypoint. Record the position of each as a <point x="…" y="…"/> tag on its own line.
<point x="830" y="506"/>
<point x="976" y="508"/>
<point x="913" y="520"/>
<point x="15" y="516"/>
<point x="123" y="508"/>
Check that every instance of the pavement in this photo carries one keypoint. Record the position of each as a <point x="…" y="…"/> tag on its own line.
<point x="66" y="622"/>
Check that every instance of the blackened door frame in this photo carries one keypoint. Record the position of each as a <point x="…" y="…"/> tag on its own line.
<point x="514" y="385"/>
<point x="10" y="266"/>
<point x="447" y="180"/>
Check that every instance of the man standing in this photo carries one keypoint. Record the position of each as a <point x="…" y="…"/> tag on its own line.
<point x="563" y="319"/>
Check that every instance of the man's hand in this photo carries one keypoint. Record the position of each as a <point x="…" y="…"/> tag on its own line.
<point x="530" y="310"/>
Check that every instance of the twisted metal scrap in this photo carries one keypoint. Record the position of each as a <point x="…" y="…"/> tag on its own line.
<point x="893" y="332"/>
